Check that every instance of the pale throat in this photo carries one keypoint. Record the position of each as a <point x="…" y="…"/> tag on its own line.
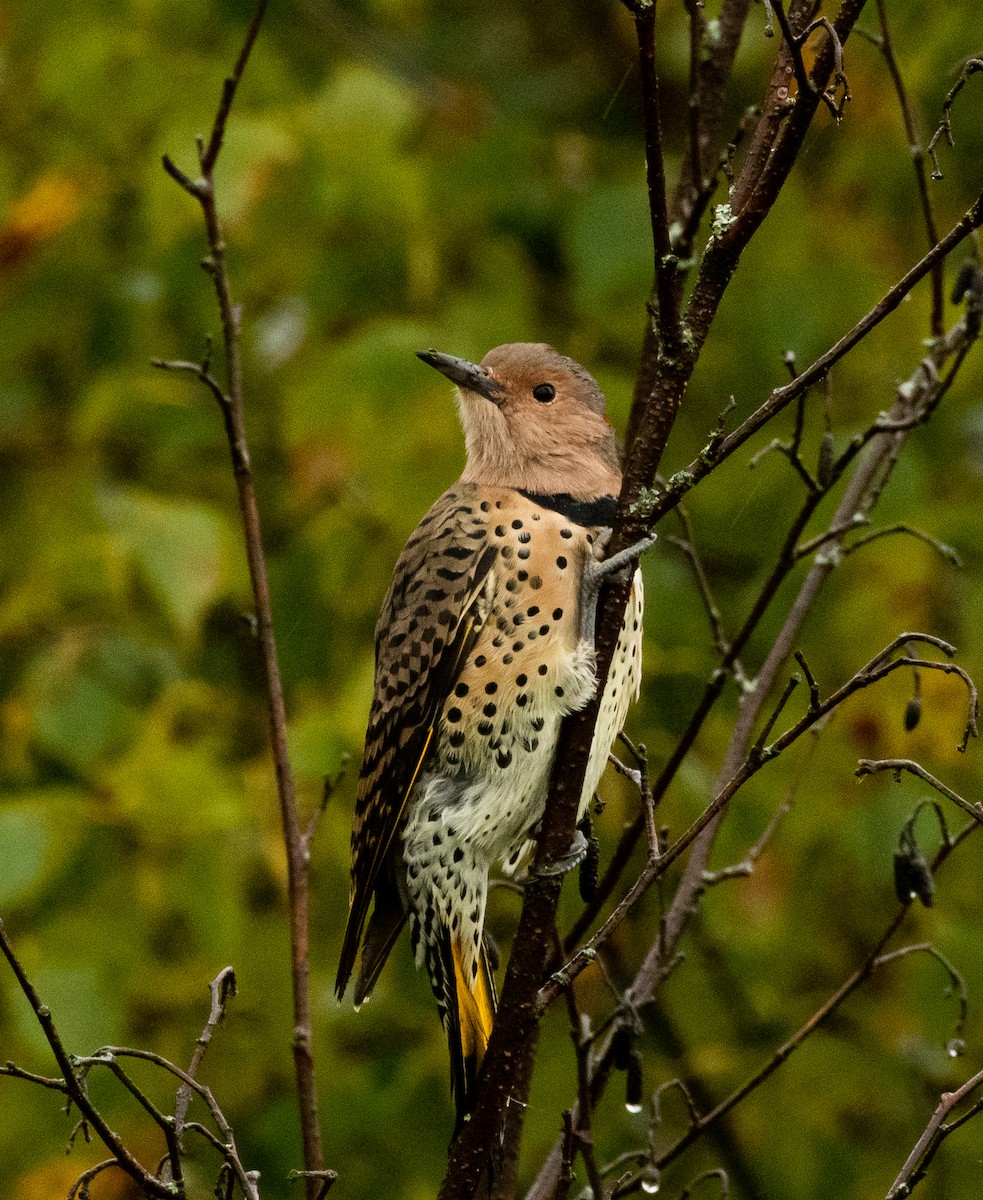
<point x="494" y="460"/>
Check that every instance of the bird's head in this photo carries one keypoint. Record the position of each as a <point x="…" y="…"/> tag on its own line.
<point x="533" y="419"/>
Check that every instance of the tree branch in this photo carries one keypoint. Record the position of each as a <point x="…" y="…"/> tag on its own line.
<point x="231" y="403"/>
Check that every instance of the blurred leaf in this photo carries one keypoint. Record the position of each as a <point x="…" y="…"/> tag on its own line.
<point x="176" y="546"/>
<point x="24" y="840"/>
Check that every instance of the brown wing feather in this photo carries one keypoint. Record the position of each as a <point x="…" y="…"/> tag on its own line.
<point x="429" y="622"/>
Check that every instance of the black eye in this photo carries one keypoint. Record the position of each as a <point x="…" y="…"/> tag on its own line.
<point x="544" y="392"/>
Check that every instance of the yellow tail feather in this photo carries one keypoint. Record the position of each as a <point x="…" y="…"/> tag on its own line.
<point x="472" y="1027"/>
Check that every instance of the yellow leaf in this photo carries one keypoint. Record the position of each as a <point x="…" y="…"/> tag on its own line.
<point x="52" y="204"/>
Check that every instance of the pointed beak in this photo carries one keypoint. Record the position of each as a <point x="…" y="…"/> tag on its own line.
<point x="468" y="375"/>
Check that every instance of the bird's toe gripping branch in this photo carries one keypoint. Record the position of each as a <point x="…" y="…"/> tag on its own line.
<point x="573" y="858"/>
<point x="619" y="565"/>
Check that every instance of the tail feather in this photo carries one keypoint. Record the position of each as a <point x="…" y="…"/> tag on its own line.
<point x="385" y="926"/>
<point x="469" y="1016"/>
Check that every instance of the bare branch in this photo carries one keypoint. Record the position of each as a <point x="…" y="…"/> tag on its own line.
<point x="683" y="481"/>
<point x="958" y="983"/>
<point x="222" y="988"/>
<point x="868" y="766"/>
<point x="15" y="1072"/>
<point x="917" y="152"/>
<point x="326" y="1179"/>
<point x="935" y="1132"/>
<point x="667" y="280"/>
<point x="947" y="552"/>
<point x="80" y="1187"/>
<point x="970" y="68"/>
<point x="231" y="402"/>
<point x="74" y="1085"/>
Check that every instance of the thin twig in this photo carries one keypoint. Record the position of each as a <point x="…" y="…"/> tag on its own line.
<point x="666" y="315"/>
<point x="700" y="1124"/>
<point x="917" y="152"/>
<point x="869" y="766"/>
<point x="230" y="401"/>
<point x="683" y="481"/>
<point x="81" y="1185"/>
<point x="74" y="1086"/>
<point x="222" y="988"/>
<point x="935" y="1132"/>
<point x="872" y="673"/>
<point x="46" y="1081"/>
<point x="862" y="492"/>
<point x="946" y="551"/>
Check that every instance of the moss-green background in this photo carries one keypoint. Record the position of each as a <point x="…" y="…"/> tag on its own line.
<point x="401" y="175"/>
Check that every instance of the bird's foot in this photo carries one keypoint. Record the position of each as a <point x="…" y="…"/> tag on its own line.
<point x="596" y="570"/>
<point x="573" y="858"/>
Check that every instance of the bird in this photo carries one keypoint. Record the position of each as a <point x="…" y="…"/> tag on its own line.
<point x="485" y="642"/>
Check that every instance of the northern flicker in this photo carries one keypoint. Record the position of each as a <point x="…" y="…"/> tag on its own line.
<point x="485" y="642"/>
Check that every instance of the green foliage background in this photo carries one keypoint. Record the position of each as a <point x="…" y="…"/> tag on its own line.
<point x="400" y="175"/>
